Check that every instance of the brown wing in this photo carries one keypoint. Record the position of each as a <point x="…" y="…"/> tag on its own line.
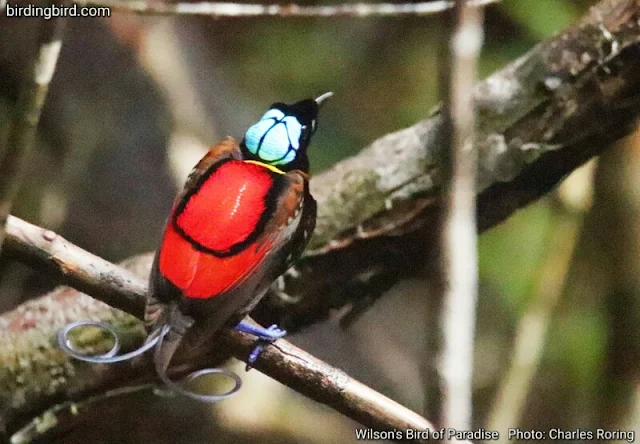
<point x="291" y="224"/>
<point x="288" y="211"/>
<point x="306" y="228"/>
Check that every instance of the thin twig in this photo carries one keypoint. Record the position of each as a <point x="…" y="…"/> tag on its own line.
<point x="15" y="158"/>
<point x="533" y="327"/>
<point x="224" y="9"/>
<point x="284" y="362"/>
<point x="460" y="261"/>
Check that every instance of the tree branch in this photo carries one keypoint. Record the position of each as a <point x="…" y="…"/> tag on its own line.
<point x="45" y="250"/>
<point x="222" y="9"/>
<point x="538" y="119"/>
<point x="30" y="330"/>
<point x="14" y="159"/>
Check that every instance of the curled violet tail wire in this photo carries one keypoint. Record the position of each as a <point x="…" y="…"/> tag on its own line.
<point x="106" y="358"/>
<point x="179" y="386"/>
<point x="154" y="339"/>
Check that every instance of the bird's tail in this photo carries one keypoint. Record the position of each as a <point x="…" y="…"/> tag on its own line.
<point x="167" y="326"/>
<point x="173" y="331"/>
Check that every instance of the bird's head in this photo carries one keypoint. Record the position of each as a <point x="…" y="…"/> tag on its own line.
<point x="282" y="135"/>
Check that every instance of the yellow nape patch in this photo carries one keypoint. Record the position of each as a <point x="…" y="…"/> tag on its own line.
<point x="266" y="165"/>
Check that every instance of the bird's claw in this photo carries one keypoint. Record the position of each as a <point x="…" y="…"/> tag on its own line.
<point x="265" y="337"/>
<point x="275" y="332"/>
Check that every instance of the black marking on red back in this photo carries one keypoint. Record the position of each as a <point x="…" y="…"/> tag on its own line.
<point x="270" y="203"/>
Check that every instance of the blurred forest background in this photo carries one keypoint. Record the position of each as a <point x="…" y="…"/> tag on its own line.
<point x="135" y="103"/>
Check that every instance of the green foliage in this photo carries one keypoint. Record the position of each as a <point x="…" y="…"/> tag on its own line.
<point x="511" y="253"/>
<point x="536" y="19"/>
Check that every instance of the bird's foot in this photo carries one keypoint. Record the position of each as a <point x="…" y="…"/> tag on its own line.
<point x="265" y="337"/>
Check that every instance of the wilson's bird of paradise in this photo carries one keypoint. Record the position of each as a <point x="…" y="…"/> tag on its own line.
<point x="244" y="217"/>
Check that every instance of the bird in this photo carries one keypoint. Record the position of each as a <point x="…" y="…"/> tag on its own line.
<point x="244" y="216"/>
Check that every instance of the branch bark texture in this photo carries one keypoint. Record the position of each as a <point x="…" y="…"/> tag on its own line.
<point x="37" y="373"/>
<point x="537" y="120"/>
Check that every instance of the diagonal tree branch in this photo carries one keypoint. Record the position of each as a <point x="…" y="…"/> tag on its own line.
<point x="538" y="119"/>
<point x="44" y="249"/>
<point x="123" y="290"/>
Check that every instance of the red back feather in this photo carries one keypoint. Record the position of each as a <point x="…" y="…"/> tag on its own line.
<point x="228" y="205"/>
<point x="224" y="211"/>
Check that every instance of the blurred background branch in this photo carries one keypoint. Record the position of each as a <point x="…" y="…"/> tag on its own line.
<point x="538" y="119"/>
<point x="459" y="232"/>
<point x="137" y="99"/>
<point x="226" y="9"/>
<point x="533" y="327"/>
<point x="16" y="157"/>
<point x="604" y="284"/>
